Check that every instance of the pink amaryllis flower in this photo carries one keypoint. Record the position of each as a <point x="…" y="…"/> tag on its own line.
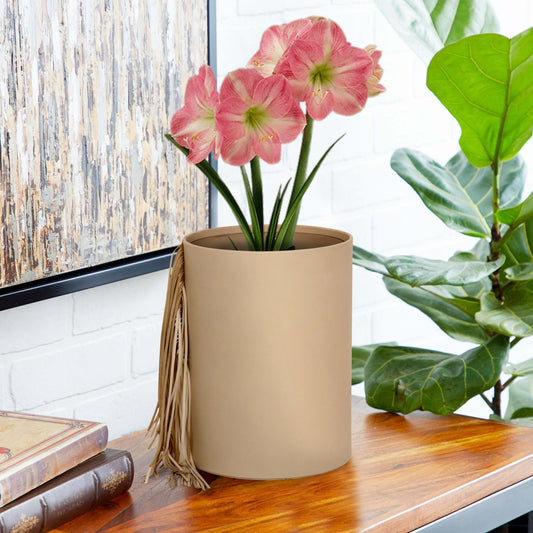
<point x="372" y="82"/>
<point x="274" y="43"/>
<point x="255" y="116"/>
<point x="326" y="71"/>
<point x="193" y="126"/>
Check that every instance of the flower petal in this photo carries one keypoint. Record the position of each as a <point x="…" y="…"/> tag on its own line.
<point x="320" y="104"/>
<point x="268" y="148"/>
<point x="237" y="152"/>
<point x="229" y="118"/>
<point x="240" y="84"/>
<point x="349" y="101"/>
<point x="290" y="126"/>
<point x="275" y="94"/>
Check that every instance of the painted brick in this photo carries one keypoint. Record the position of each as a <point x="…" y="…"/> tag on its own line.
<point x="359" y="226"/>
<point x="145" y="348"/>
<point x="368" y="288"/>
<point x="247" y="7"/>
<point x="401" y="323"/>
<point x="396" y="230"/>
<point x="54" y="410"/>
<point x="37" y="324"/>
<point x="124" y="410"/>
<point x="360" y="184"/>
<point x="356" y="143"/>
<point x="6" y="400"/>
<point x="50" y="376"/>
<point x="410" y="126"/>
<point x="361" y="328"/>
<point x="120" y="302"/>
<point x="386" y="37"/>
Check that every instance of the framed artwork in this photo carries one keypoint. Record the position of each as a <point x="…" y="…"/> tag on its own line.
<point x="90" y="190"/>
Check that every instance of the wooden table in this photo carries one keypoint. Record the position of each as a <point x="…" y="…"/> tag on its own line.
<point x="405" y="472"/>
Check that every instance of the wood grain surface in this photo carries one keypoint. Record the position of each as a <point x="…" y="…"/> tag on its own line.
<point x="87" y="93"/>
<point x="404" y="473"/>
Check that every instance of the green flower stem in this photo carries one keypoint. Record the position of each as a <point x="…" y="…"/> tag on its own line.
<point x="299" y="179"/>
<point x="257" y="195"/>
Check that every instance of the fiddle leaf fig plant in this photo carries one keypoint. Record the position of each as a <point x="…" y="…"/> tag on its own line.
<point x="428" y="25"/>
<point x="483" y="295"/>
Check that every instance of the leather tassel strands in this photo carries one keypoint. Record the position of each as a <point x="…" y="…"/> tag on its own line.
<point x="171" y="423"/>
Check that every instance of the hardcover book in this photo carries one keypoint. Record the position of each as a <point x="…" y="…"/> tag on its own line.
<point x="70" y="494"/>
<point x="35" y="449"/>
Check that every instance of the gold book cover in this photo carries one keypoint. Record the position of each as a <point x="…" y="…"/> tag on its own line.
<point x="35" y="449"/>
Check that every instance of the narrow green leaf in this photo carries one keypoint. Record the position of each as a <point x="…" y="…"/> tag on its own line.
<point x="295" y="204"/>
<point x="513" y="316"/>
<point x="427" y="25"/>
<point x="485" y="83"/>
<point x="418" y="271"/>
<point x="522" y="272"/>
<point x="210" y="173"/>
<point x="459" y="193"/>
<point x="453" y="320"/>
<point x="520" y="403"/>
<point x="257" y="196"/>
<point x="369" y="260"/>
<point x="404" y="379"/>
<point x="276" y="211"/>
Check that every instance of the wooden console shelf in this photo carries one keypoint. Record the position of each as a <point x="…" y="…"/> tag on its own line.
<point x="405" y="473"/>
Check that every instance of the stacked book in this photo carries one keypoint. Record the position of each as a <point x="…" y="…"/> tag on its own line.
<point x="54" y="469"/>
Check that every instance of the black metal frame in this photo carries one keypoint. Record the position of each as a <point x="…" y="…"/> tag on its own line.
<point x="85" y="278"/>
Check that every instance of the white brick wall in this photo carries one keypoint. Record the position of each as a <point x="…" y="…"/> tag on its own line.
<point x="91" y="354"/>
<point x="94" y="354"/>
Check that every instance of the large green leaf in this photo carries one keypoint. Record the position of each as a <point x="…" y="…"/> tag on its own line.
<point x="518" y="246"/>
<point x="462" y="269"/>
<point x="513" y="316"/>
<point x="522" y="272"/>
<point x="520" y="399"/>
<point x="404" y="379"/>
<point x="485" y="83"/>
<point x="459" y="193"/>
<point x="450" y="316"/>
<point x="514" y="216"/>
<point x="418" y="271"/>
<point x="369" y="260"/>
<point x="525" y="368"/>
<point x="427" y="25"/>
<point x="360" y="355"/>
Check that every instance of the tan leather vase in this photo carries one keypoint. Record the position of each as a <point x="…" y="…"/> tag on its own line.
<point x="269" y="353"/>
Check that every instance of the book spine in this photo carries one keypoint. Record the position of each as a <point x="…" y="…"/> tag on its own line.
<point x="50" y="464"/>
<point x="61" y="503"/>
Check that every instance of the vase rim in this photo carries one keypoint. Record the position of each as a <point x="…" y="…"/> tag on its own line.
<point x="338" y="237"/>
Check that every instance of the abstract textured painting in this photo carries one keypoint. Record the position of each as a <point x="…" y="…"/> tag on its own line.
<point x="87" y="90"/>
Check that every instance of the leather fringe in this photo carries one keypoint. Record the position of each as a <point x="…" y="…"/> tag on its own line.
<point x="171" y="423"/>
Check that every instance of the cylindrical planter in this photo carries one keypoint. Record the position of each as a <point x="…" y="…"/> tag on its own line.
<point x="269" y="353"/>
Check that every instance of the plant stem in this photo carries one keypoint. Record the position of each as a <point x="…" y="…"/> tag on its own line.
<point x="515" y="341"/>
<point x="486" y="400"/>
<point x="497" y="399"/>
<point x="496" y="230"/>
<point x="299" y="179"/>
<point x="508" y="382"/>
